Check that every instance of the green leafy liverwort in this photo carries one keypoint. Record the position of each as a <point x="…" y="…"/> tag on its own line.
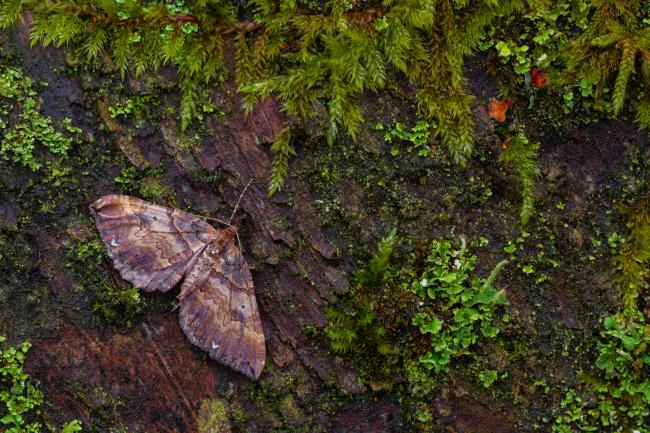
<point x="20" y="399"/>
<point x="456" y="307"/>
<point x="22" y="132"/>
<point x="620" y="386"/>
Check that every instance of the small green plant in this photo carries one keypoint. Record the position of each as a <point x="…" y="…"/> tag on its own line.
<point x="510" y="51"/>
<point x="521" y="155"/>
<point x="573" y="414"/>
<point x="356" y="330"/>
<point x="358" y="327"/>
<point x="282" y="153"/>
<point x="23" y="127"/>
<point x="127" y="176"/>
<point x="487" y="378"/>
<point x="73" y="426"/>
<point x="20" y="399"/>
<point x="373" y="274"/>
<point x="567" y="102"/>
<point x="632" y="263"/>
<point x="118" y="305"/>
<point x="418" y="136"/>
<point x="621" y="386"/>
<point x="134" y="105"/>
<point x="457" y="306"/>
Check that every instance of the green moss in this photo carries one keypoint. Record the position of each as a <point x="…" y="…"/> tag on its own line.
<point x="113" y="304"/>
<point x="372" y="275"/>
<point x="421" y="383"/>
<point x="155" y="189"/>
<point x="632" y="264"/>
<point x="118" y="305"/>
<point x="213" y="417"/>
<point x="358" y="329"/>
<point x="20" y="398"/>
<point x="24" y="128"/>
<point x="332" y="57"/>
<point x="521" y="155"/>
<point x="456" y="308"/>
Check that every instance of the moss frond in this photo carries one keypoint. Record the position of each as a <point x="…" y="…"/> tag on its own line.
<point x="373" y="274"/>
<point x="643" y="113"/>
<point x="632" y="263"/>
<point x="522" y="155"/>
<point x="625" y="69"/>
<point x="282" y="152"/>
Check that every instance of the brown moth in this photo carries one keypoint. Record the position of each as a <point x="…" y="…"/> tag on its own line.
<point x="154" y="247"/>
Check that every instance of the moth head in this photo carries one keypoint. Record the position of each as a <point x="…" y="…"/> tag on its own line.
<point x="227" y="234"/>
<point x="231" y="230"/>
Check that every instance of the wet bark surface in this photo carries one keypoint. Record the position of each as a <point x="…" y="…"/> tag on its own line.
<point x="303" y="246"/>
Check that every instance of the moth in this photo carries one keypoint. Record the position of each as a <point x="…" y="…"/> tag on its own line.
<point x="155" y="247"/>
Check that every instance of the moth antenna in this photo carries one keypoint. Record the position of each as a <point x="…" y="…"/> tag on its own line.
<point x="238" y="241"/>
<point x="234" y="211"/>
<point x="229" y="222"/>
<point x="213" y="219"/>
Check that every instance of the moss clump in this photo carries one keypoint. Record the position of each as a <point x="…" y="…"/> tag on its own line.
<point x="23" y="127"/>
<point x="317" y="60"/>
<point x="358" y="329"/>
<point x="521" y="154"/>
<point x="632" y="264"/>
<point x="621" y="384"/>
<point x="20" y="398"/>
<point x="118" y="305"/>
<point x="213" y="417"/>
<point x="113" y="304"/>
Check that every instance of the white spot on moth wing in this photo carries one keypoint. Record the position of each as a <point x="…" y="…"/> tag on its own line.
<point x="215" y="345"/>
<point x="113" y="243"/>
<point x="231" y="260"/>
